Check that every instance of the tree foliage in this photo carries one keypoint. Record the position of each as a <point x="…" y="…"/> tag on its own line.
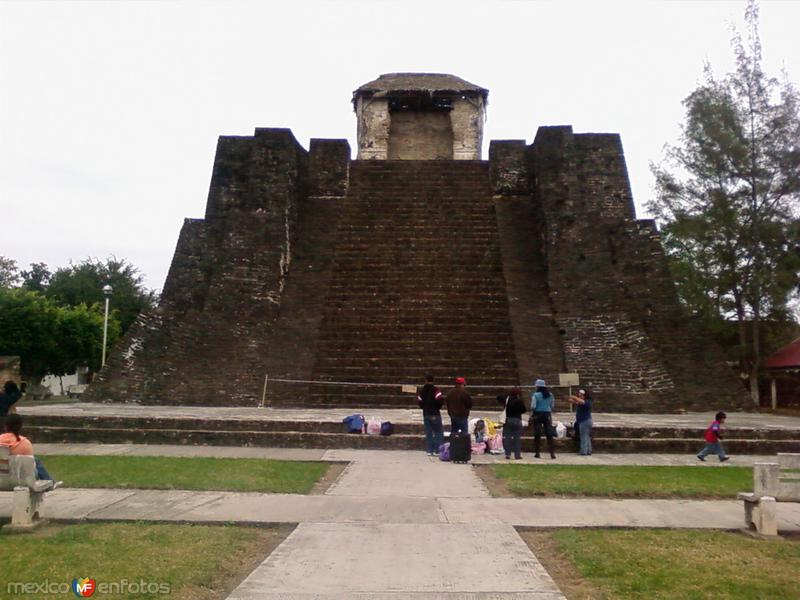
<point x="83" y="283"/>
<point x="51" y="339"/>
<point x="9" y="273"/>
<point x="728" y="196"/>
<point x="37" y="278"/>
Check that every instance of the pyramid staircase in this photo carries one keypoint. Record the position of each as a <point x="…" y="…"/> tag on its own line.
<point x="417" y="287"/>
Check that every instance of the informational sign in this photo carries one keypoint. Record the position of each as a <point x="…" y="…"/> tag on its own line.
<point x="568" y="379"/>
<point x="409" y="389"/>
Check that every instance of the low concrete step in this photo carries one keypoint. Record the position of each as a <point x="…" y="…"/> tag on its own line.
<point x="400" y="441"/>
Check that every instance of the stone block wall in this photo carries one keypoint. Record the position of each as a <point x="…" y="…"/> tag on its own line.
<point x="420" y="135"/>
<point x="508" y="164"/>
<point x="374" y="121"/>
<point x="328" y="167"/>
<point x="613" y="300"/>
<point x="205" y="343"/>
<point x="586" y="283"/>
<point x="466" y="121"/>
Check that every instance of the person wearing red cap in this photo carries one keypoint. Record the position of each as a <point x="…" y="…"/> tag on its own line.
<point x="459" y="403"/>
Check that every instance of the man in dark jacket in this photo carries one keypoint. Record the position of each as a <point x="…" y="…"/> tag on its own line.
<point x="8" y="398"/>
<point x="459" y="404"/>
<point x="430" y="401"/>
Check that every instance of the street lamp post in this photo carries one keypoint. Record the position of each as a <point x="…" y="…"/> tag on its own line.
<point x="107" y="291"/>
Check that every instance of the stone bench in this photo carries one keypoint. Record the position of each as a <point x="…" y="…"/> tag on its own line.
<point x="18" y="474"/>
<point x="772" y="483"/>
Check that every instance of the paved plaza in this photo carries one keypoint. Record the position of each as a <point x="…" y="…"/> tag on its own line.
<point x="396" y="524"/>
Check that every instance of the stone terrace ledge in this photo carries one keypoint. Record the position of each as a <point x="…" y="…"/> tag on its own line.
<point x="691" y="420"/>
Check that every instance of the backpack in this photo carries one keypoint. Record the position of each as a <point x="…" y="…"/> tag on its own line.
<point x="354" y="423"/>
<point x="444" y="452"/>
<point x="387" y="428"/>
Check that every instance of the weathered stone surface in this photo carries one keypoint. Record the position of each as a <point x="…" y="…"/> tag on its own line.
<point x="308" y="266"/>
<point x="205" y="342"/>
<point x="328" y="167"/>
<point x="420" y="116"/>
<point x="397" y="561"/>
<point x="508" y="160"/>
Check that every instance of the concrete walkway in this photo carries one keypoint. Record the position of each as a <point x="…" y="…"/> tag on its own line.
<point x="212" y="507"/>
<point x="396" y="524"/>
<point x="362" y="456"/>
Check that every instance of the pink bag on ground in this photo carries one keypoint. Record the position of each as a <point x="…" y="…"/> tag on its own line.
<point x="374" y="426"/>
<point x="478" y="447"/>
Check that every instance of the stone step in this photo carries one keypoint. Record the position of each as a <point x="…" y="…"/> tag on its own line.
<point x="410" y="361"/>
<point x="413" y="291"/>
<point x="400" y="441"/>
<point x="692" y="435"/>
<point x="446" y="351"/>
<point x="416" y="326"/>
<point x="393" y="375"/>
<point x="395" y="234"/>
<point x="470" y="317"/>
<point x="356" y="400"/>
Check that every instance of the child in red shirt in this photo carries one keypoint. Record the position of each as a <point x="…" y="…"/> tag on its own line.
<point x="713" y="437"/>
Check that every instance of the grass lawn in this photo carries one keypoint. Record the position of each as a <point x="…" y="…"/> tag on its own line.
<point x="689" y="564"/>
<point x="196" y="562"/>
<point x="27" y="401"/>
<point x="622" y="482"/>
<point x="168" y="473"/>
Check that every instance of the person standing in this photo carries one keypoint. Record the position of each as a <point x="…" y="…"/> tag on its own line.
<point x="430" y="400"/>
<point x="583" y="420"/>
<point x="8" y="399"/>
<point x="713" y="437"/>
<point x="459" y="403"/>
<point x="542" y="403"/>
<point x="512" y="428"/>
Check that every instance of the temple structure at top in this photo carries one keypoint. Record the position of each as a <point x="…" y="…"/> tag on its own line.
<point x="360" y="276"/>
<point x="420" y="116"/>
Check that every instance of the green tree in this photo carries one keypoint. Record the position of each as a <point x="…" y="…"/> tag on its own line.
<point x="37" y="278"/>
<point x="48" y="338"/>
<point x="728" y="197"/>
<point x="80" y="338"/>
<point x="83" y="284"/>
<point x="9" y="273"/>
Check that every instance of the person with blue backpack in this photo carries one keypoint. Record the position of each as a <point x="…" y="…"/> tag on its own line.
<point x="542" y="404"/>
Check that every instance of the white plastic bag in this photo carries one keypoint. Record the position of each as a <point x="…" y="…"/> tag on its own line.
<point x="374" y="426"/>
<point x="561" y="429"/>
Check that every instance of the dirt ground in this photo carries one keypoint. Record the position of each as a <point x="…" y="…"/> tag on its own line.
<point x="333" y="473"/>
<point x="559" y="566"/>
<point x="496" y="486"/>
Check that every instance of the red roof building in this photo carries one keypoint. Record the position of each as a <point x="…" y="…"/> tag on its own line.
<point x="784" y="374"/>
<point x="787" y="357"/>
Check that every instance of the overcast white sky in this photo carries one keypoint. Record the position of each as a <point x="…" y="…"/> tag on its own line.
<point x="110" y="111"/>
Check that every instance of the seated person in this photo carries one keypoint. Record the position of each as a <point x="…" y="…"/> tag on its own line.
<point x="480" y="432"/>
<point x="19" y="445"/>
